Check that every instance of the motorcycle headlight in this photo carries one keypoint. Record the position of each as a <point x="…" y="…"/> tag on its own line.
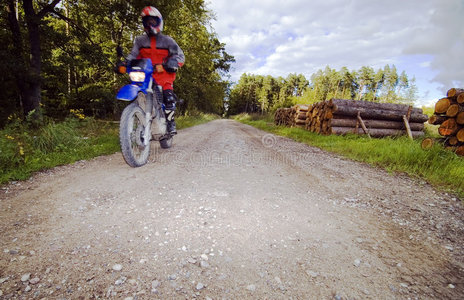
<point x="137" y="76"/>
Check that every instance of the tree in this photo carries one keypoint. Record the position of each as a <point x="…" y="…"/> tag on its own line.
<point x="30" y="82"/>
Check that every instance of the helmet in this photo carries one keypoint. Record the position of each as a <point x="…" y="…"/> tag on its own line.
<point x="152" y="20"/>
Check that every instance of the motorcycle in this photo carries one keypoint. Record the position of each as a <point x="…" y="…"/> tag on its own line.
<point x="143" y="120"/>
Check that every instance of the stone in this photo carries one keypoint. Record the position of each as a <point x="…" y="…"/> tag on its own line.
<point x="117" y="267"/>
<point x="26" y="277"/>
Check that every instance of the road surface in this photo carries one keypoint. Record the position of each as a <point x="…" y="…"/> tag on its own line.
<point x="230" y="212"/>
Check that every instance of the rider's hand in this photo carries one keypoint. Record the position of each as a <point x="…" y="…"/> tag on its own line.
<point x="171" y="66"/>
<point x="120" y="67"/>
<point x="159" y="68"/>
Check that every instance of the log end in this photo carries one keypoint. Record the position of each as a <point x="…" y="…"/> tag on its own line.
<point x="427" y="143"/>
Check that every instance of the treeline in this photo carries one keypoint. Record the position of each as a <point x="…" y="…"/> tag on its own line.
<point x="59" y="55"/>
<point x="256" y="93"/>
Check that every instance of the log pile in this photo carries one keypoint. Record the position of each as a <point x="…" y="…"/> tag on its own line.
<point x="283" y="116"/>
<point x="449" y="114"/>
<point x="292" y="117"/>
<point x="339" y="116"/>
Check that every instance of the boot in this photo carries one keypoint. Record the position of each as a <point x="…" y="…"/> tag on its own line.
<point x="172" y="127"/>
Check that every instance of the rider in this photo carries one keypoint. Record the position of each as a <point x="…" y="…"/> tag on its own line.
<point x="165" y="55"/>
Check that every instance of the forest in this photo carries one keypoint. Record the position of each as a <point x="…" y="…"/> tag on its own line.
<point x="261" y="94"/>
<point x="58" y="56"/>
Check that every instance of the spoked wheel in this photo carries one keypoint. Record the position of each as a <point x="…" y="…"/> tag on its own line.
<point x="132" y="136"/>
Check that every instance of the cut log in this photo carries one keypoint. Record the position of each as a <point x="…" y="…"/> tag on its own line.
<point x="437" y="119"/>
<point x="454" y="92"/>
<point x="452" y="110"/>
<point x="374" y="105"/>
<point x="460" y="118"/>
<point x="460" y="151"/>
<point x="348" y="122"/>
<point x="449" y="127"/>
<point x="427" y="143"/>
<point x="442" y="105"/>
<point x="377" y="114"/>
<point x="460" y="135"/>
<point x="460" y="98"/>
<point x="452" y="141"/>
<point x="373" y="132"/>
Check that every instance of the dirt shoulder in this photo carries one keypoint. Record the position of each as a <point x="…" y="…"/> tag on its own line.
<point x="229" y="212"/>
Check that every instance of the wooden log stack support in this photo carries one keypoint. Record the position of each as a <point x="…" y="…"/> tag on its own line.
<point x="449" y="115"/>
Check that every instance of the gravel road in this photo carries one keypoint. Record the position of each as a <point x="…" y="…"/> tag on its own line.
<point x="229" y="212"/>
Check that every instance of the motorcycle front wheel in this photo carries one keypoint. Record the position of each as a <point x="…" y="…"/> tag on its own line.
<point x="132" y="136"/>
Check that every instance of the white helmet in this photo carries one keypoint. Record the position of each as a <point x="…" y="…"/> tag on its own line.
<point x="150" y="13"/>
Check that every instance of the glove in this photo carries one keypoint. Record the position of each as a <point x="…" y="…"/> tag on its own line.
<point x="171" y="66"/>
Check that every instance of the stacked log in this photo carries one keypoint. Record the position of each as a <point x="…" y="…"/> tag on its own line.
<point x="284" y="116"/>
<point x="293" y="117"/>
<point x="300" y="113"/>
<point x="340" y="116"/>
<point x="449" y="114"/>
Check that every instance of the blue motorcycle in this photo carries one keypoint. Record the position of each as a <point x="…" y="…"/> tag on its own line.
<point x="144" y="118"/>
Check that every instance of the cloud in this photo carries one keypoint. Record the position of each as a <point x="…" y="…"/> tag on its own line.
<point x="269" y="38"/>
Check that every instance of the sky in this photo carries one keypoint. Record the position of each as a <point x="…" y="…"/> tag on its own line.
<point x="424" y="38"/>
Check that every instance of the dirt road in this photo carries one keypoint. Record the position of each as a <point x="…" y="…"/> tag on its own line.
<point x="229" y="212"/>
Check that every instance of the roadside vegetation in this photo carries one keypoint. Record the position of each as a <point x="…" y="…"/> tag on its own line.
<point x="439" y="167"/>
<point x="25" y="148"/>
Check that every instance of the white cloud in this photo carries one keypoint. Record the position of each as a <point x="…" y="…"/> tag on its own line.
<point x="271" y="38"/>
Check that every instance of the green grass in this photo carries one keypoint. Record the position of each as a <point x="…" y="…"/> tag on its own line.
<point x="25" y="150"/>
<point x="439" y="167"/>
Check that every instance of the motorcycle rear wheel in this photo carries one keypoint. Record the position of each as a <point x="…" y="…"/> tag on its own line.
<point x="132" y="136"/>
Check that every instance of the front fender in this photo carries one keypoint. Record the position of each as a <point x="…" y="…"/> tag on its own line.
<point x="128" y="92"/>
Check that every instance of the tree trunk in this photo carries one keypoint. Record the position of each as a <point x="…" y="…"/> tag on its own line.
<point x="31" y="101"/>
<point x="19" y="73"/>
<point x="374" y="105"/>
<point x="377" y="114"/>
<point x="373" y="132"/>
<point x="374" y="124"/>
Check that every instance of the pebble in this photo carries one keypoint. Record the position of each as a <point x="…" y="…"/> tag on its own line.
<point x="200" y="286"/>
<point x="251" y="287"/>
<point x="34" y="280"/>
<point x="357" y="262"/>
<point x="451" y="286"/>
<point x="26" y="277"/>
<point x="117" y="267"/>
<point x="155" y="284"/>
<point x="28" y="288"/>
<point x="120" y="280"/>
<point x="204" y="257"/>
<point x="172" y="277"/>
<point x="204" y="264"/>
<point x="312" y="273"/>
<point x="192" y="260"/>
<point x="2" y="280"/>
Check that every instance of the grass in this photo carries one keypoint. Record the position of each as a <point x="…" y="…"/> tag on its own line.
<point x="441" y="168"/>
<point x="25" y="150"/>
